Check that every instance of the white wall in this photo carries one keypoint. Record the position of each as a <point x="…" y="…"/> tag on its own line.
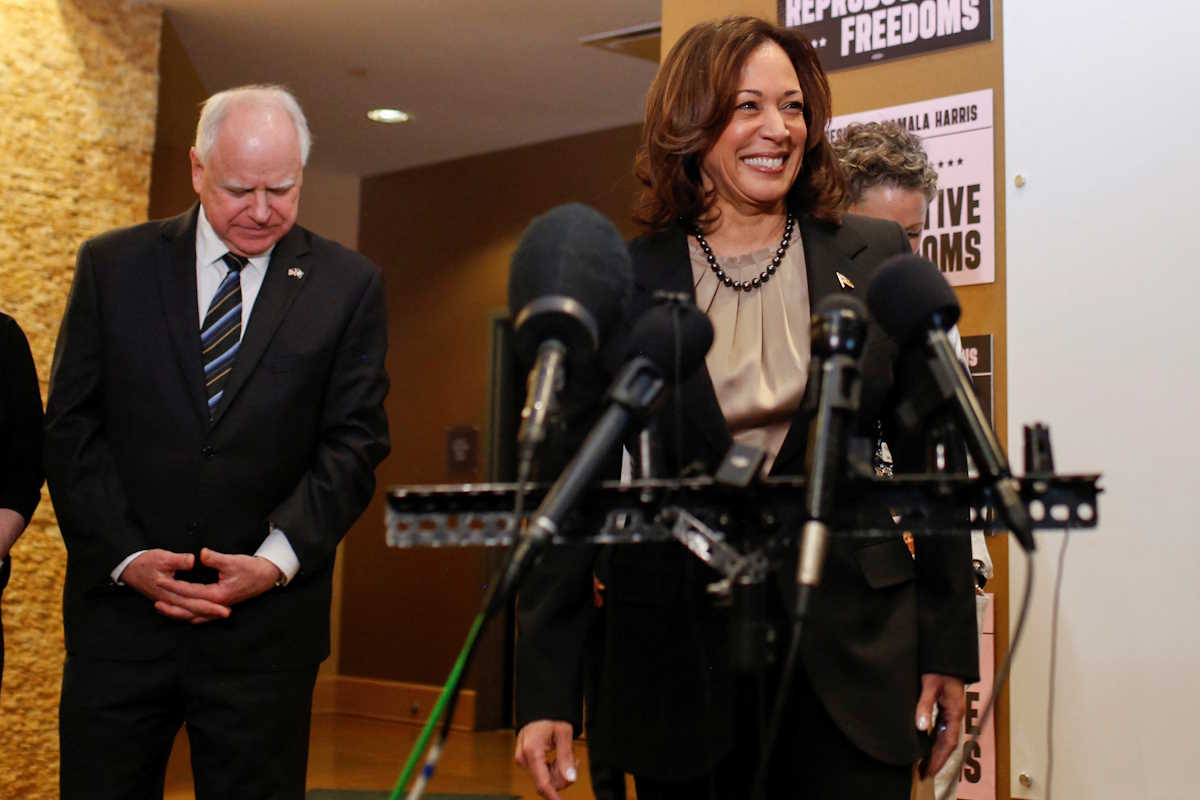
<point x="1102" y="120"/>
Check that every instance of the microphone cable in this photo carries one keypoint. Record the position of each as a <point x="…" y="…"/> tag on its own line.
<point x="676" y="384"/>
<point x="1054" y="617"/>
<point x="678" y="303"/>
<point x="789" y="669"/>
<point x="1001" y="679"/>
<point x="838" y="331"/>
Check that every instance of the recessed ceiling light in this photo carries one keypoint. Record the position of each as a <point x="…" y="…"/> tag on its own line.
<point x="390" y="115"/>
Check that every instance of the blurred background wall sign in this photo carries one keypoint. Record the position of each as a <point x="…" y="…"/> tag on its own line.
<point x="979" y="361"/>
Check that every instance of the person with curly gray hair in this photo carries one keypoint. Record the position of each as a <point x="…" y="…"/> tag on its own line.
<point x="888" y="174"/>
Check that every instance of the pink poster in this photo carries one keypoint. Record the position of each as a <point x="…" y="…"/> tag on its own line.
<point x="979" y="760"/>
<point x="960" y="225"/>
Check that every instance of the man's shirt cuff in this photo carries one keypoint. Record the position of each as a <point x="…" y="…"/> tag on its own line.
<point x="278" y="550"/>
<point x="116" y="573"/>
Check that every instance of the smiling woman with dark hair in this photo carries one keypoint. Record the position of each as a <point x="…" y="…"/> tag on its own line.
<point x="693" y="102"/>
<point x="742" y="198"/>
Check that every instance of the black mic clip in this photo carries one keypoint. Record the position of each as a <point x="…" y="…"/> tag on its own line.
<point x="1039" y="456"/>
<point x="674" y="298"/>
<point x="741" y="466"/>
<point x="638" y="387"/>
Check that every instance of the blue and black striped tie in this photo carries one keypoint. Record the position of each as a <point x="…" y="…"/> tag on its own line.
<point x="221" y="332"/>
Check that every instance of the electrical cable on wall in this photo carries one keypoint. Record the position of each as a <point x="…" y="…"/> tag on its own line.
<point x="1054" y="616"/>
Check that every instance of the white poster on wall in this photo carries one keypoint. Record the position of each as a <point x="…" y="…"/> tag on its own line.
<point x="960" y="226"/>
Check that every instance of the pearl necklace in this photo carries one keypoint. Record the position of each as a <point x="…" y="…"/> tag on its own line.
<point x="763" y="277"/>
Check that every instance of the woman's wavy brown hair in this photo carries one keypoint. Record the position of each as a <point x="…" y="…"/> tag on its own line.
<point x="692" y="100"/>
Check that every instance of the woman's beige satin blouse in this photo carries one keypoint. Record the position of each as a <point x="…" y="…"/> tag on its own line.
<point x="760" y="351"/>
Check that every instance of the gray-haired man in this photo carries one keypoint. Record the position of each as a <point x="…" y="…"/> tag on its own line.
<point x="214" y="420"/>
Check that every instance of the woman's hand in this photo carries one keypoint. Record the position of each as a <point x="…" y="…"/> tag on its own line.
<point x="948" y="693"/>
<point x="544" y="749"/>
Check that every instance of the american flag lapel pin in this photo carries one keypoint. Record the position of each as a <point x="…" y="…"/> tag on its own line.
<point x="845" y="282"/>
<point x="296" y="272"/>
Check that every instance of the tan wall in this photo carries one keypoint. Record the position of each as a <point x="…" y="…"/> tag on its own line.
<point x="329" y="204"/>
<point x="79" y="85"/>
<point x="952" y="71"/>
<point x="444" y="235"/>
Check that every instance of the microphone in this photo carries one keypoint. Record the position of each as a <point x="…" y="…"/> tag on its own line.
<point x="674" y="335"/>
<point x="653" y="350"/>
<point x="838" y="333"/>
<point x="569" y="281"/>
<point x="668" y="340"/>
<point x="655" y="341"/>
<point x="913" y="302"/>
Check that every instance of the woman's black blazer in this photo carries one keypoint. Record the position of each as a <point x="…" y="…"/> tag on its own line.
<point x="665" y="694"/>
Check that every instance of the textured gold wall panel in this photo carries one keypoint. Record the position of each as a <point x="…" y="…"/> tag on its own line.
<point x="78" y="94"/>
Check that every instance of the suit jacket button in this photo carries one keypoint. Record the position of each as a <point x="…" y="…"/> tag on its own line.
<point x="193" y="526"/>
<point x="207" y="451"/>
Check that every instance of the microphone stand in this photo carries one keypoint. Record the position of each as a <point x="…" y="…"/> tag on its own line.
<point x="837" y="336"/>
<point x="633" y="395"/>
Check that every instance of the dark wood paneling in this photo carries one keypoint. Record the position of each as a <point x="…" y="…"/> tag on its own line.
<point x="180" y="93"/>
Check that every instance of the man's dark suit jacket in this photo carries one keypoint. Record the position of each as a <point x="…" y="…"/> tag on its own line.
<point x="134" y="463"/>
<point x="879" y="620"/>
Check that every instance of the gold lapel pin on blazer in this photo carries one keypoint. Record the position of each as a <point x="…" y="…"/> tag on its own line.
<point x="845" y="282"/>
<point x="297" y="273"/>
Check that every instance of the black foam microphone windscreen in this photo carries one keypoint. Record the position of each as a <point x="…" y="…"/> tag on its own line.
<point x="656" y="332"/>
<point x="907" y="293"/>
<point x="572" y="252"/>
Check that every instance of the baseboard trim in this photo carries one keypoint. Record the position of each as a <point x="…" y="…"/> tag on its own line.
<point x="393" y="701"/>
